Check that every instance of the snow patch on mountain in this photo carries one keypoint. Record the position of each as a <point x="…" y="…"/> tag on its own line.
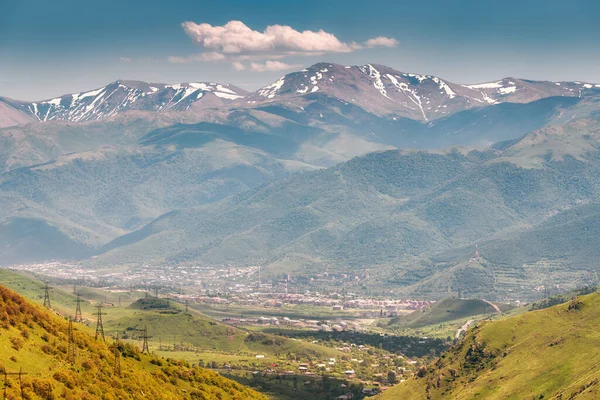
<point x="122" y="96"/>
<point x="444" y="86"/>
<point x="376" y="76"/>
<point x="270" y="91"/>
<point x="507" y="90"/>
<point x="487" y="85"/>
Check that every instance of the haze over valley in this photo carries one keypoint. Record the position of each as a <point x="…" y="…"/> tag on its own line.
<point x="300" y="201"/>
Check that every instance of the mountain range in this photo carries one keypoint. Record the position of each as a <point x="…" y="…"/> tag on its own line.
<point x="121" y="96"/>
<point x="314" y="171"/>
<point x="377" y="89"/>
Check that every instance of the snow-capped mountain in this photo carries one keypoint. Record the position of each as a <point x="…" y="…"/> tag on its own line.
<point x="120" y="96"/>
<point x="379" y="90"/>
<point x="386" y="92"/>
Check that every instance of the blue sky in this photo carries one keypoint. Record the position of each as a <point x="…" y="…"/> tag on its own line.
<point x="52" y="48"/>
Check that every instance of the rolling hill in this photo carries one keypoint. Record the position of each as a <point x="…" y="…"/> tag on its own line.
<point x="551" y="353"/>
<point x="443" y="311"/>
<point x="129" y="312"/>
<point x="37" y="343"/>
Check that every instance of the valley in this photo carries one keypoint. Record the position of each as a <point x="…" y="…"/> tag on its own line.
<point x="308" y="182"/>
<point x="311" y="200"/>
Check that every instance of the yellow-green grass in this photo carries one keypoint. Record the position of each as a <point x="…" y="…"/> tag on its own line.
<point x="36" y="341"/>
<point x="444" y="311"/>
<point x="191" y="329"/>
<point x="540" y="354"/>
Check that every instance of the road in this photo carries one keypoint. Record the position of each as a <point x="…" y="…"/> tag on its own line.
<point x="493" y="305"/>
<point x="463" y="328"/>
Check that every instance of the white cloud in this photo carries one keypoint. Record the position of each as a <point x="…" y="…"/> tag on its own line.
<point x="125" y="59"/>
<point x="381" y="41"/>
<point x="210" y="56"/>
<point x="237" y="42"/>
<point x="236" y="38"/>
<point x="238" y="66"/>
<point x="271" y="66"/>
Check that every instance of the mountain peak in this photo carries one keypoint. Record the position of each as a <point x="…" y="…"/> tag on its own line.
<point x="124" y="95"/>
<point x="384" y="91"/>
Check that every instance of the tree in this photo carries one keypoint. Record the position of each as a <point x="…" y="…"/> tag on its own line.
<point x="392" y="377"/>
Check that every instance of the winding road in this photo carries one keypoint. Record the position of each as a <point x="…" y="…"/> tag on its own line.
<point x="463" y="328"/>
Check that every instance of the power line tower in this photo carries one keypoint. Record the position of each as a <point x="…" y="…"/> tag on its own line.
<point x="145" y="337"/>
<point x="78" y="317"/>
<point x="47" y="296"/>
<point x="20" y="374"/>
<point x="70" y="343"/>
<point x="117" y="352"/>
<point x="99" y="327"/>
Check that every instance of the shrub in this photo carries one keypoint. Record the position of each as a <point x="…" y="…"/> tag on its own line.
<point x="16" y="343"/>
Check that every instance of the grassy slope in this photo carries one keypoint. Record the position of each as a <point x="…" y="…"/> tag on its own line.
<point x="444" y="311"/>
<point x="540" y="354"/>
<point x="35" y="340"/>
<point x="194" y="328"/>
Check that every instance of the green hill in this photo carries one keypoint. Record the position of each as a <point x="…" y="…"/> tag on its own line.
<point x="443" y="311"/>
<point x="550" y="353"/>
<point x="36" y="342"/>
<point x="165" y="320"/>
<point x="390" y="210"/>
<point x="203" y="333"/>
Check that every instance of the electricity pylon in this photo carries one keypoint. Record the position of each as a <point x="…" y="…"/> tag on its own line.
<point x="145" y="337"/>
<point x="78" y="317"/>
<point x="47" y="296"/>
<point x="99" y="327"/>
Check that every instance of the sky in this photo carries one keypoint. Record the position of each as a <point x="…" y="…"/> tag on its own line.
<point x="49" y="49"/>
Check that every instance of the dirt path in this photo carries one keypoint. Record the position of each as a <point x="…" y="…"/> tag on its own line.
<point x="493" y="305"/>
<point x="463" y="328"/>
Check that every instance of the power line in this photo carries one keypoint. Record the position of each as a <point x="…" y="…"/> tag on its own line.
<point x="20" y="374"/>
<point x="47" y="296"/>
<point x="99" y="326"/>
<point x="145" y="337"/>
<point x="78" y="317"/>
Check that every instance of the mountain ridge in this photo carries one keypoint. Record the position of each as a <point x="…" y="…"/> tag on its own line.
<point x="376" y="88"/>
<point x="394" y="94"/>
<point x="123" y="95"/>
